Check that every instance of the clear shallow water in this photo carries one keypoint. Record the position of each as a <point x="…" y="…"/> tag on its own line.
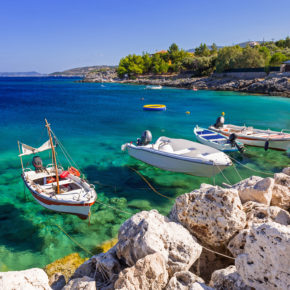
<point x="93" y="121"/>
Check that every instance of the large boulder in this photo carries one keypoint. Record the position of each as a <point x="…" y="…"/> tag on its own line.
<point x="211" y="213"/>
<point x="84" y="283"/>
<point x="281" y="190"/>
<point x="256" y="189"/>
<point x="257" y="213"/>
<point x="148" y="233"/>
<point x="31" y="279"/>
<point x="260" y="213"/>
<point x="265" y="263"/>
<point x="281" y="196"/>
<point x="228" y="278"/>
<point x="286" y="170"/>
<point x="186" y="280"/>
<point x="148" y="273"/>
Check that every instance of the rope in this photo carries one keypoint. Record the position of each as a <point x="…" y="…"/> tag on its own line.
<point x="73" y="240"/>
<point x="237" y="171"/>
<point x="222" y="173"/>
<point x="113" y="207"/>
<point x="261" y="172"/>
<point x="229" y="257"/>
<point x="149" y="184"/>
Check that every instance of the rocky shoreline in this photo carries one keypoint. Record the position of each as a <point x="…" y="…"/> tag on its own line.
<point x="214" y="238"/>
<point x="275" y="84"/>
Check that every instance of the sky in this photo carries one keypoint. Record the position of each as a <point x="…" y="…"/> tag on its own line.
<point x="54" y="35"/>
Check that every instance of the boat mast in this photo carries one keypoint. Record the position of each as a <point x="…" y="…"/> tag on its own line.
<point x="20" y="156"/>
<point x="53" y="156"/>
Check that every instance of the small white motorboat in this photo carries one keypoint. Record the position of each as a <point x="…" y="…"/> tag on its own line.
<point x="217" y="140"/>
<point x="256" y="137"/>
<point x="178" y="155"/>
<point x="154" y="87"/>
<point x="53" y="187"/>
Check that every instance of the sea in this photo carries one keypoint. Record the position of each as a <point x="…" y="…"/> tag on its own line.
<point x="93" y="120"/>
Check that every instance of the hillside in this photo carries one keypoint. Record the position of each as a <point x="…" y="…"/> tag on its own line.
<point x="81" y="71"/>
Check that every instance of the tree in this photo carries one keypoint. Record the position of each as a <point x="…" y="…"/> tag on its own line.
<point x="214" y="49"/>
<point x="173" y="48"/>
<point x="147" y="63"/>
<point x="277" y="58"/>
<point x="250" y="58"/>
<point x="202" y="50"/>
<point x="227" y="57"/>
<point x="265" y="52"/>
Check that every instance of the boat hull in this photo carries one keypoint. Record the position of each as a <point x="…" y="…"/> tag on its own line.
<point x="281" y="144"/>
<point x="165" y="162"/>
<point x="80" y="209"/>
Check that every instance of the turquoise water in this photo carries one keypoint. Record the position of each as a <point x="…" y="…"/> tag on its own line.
<point x="93" y="121"/>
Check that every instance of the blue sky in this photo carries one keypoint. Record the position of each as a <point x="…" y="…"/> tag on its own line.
<point x="50" y="35"/>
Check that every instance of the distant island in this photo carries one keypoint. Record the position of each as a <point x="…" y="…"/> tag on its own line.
<point x="81" y="71"/>
<point x="21" y="74"/>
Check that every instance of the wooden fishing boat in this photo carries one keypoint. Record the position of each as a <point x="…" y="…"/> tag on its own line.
<point x="256" y="137"/>
<point x="178" y="155"/>
<point x="53" y="187"/>
<point x="217" y="140"/>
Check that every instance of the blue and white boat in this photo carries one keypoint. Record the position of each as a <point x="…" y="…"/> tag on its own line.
<point x="217" y="140"/>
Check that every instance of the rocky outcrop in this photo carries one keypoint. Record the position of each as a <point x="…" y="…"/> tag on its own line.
<point x="148" y="273"/>
<point x="265" y="263"/>
<point x="211" y="213"/>
<point x="186" y="280"/>
<point x="84" y="283"/>
<point x="57" y="281"/>
<point x="281" y="189"/>
<point x="276" y="85"/>
<point x="228" y="278"/>
<point x="256" y="189"/>
<point x="31" y="279"/>
<point x="260" y="213"/>
<point x="149" y="232"/>
<point x="286" y="170"/>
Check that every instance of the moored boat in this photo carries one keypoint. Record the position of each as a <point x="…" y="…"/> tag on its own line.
<point x="256" y="137"/>
<point x="53" y="187"/>
<point x="178" y="155"/>
<point x="154" y="87"/>
<point x="217" y="140"/>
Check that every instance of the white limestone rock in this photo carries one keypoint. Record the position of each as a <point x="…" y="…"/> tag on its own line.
<point x="186" y="280"/>
<point x="237" y="244"/>
<point x="148" y="232"/>
<point x="260" y="213"/>
<point x="286" y="171"/>
<point x="265" y="263"/>
<point x="228" y="278"/>
<point x="281" y="196"/>
<point x="148" y="273"/>
<point x="84" y="283"/>
<point x="31" y="279"/>
<point x="213" y="214"/>
<point x="282" y="179"/>
<point x="256" y="189"/>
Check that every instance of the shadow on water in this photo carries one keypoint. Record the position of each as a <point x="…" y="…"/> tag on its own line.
<point x="124" y="182"/>
<point x="16" y="231"/>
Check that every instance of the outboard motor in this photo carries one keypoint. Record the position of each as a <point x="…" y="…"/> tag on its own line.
<point x="232" y="140"/>
<point x="146" y="138"/>
<point x="219" y="122"/>
<point x="37" y="163"/>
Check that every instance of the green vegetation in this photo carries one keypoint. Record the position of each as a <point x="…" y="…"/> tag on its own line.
<point x="205" y="60"/>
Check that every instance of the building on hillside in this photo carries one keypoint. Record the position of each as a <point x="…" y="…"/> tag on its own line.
<point x="285" y="66"/>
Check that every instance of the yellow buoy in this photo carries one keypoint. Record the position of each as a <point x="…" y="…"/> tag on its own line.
<point x="187" y="112"/>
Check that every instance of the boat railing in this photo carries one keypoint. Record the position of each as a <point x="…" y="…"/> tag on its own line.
<point x="27" y="169"/>
<point x="285" y="130"/>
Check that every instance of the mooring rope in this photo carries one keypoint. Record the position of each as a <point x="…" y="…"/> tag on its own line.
<point x="226" y="256"/>
<point x="149" y="184"/>
<point x="113" y="207"/>
<point x="261" y="172"/>
<point x="73" y="240"/>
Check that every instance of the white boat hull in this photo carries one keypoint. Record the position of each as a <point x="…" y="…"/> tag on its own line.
<point x="282" y="144"/>
<point x="165" y="162"/>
